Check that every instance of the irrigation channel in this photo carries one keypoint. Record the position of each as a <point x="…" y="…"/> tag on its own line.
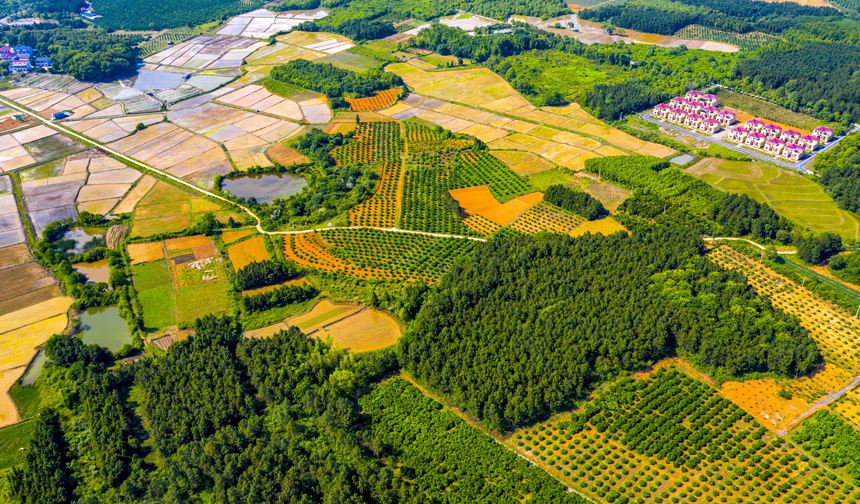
<point x="145" y="168"/>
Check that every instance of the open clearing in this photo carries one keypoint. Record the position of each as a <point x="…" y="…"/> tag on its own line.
<point x="24" y="282"/>
<point x="263" y="23"/>
<point x="790" y="194"/>
<point x="351" y="326"/>
<point x="479" y="200"/>
<point x="523" y="163"/>
<point x="247" y="251"/>
<point x="166" y="208"/>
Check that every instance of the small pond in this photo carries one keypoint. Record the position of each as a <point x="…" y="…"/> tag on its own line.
<point x="265" y="188"/>
<point x="34" y="370"/>
<point x="84" y="238"/>
<point x="105" y="327"/>
<point x="97" y="271"/>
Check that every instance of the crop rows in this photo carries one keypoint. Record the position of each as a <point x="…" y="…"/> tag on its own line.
<point x="481" y="225"/>
<point x="421" y="137"/>
<point x="376" y="254"/>
<point x="747" y="41"/>
<point x="381" y="209"/>
<point x="478" y="168"/>
<point x="427" y="206"/>
<point x="849" y="407"/>
<point x="668" y="438"/>
<point x="374" y="142"/>
<point x="380" y="100"/>
<point x="546" y="217"/>
<point x="165" y="38"/>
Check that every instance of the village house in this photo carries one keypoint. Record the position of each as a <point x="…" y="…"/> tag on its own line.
<point x="710" y="111"/>
<point x="23" y="52"/>
<point x="693" y="121"/>
<point x="7" y="54"/>
<point x="677" y="102"/>
<point x="792" y="152"/>
<point x="710" y="126"/>
<point x="771" y="130"/>
<point x="738" y="134"/>
<point x="808" y="142"/>
<point x="42" y="62"/>
<point x="726" y="118"/>
<point x="790" y="135"/>
<point x="694" y="95"/>
<point x="823" y="133"/>
<point x="756" y="140"/>
<point x="774" y="145"/>
<point x="754" y="125"/>
<point x="709" y="100"/>
<point x="677" y="115"/>
<point x="20" y="66"/>
<point x="661" y="110"/>
<point x="693" y="107"/>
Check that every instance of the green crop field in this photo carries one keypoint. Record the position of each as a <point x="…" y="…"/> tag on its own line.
<point x="12" y="440"/>
<point x="790" y="194"/>
<point x="201" y="292"/>
<point x="766" y="110"/>
<point x="155" y="292"/>
<point x="749" y="41"/>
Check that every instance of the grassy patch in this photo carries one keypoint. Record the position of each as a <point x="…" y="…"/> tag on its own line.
<point x="546" y="72"/>
<point x="766" y="110"/>
<point x="542" y="180"/>
<point x="12" y="440"/>
<point x="201" y="292"/>
<point x="27" y="400"/>
<point x="155" y="292"/>
<point x="351" y="61"/>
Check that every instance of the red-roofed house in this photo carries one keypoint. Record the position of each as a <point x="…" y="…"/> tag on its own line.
<point x="693" y="106"/>
<point x="710" y="111"/>
<point x="823" y="133"/>
<point x="790" y="135"/>
<point x="771" y="130"/>
<point x="20" y="66"/>
<point x="756" y="140"/>
<point x="774" y="145"/>
<point x="710" y="100"/>
<point x="808" y="142"/>
<point x="694" y="94"/>
<point x="754" y="125"/>
<point x="738" y="134"/>
<point x="693" y="121"/>
<point x="7" y="54"/>
<point x="677" y="115"/>
<point x="710" y="126"/>
<point x="792" y="152"/>
<point x="677" y="101"/>
<point x="661" y="110"/>
<point x="726" y="118"/>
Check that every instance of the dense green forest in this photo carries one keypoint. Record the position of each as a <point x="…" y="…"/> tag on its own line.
<point x="334" y="82"/>
<point x="219" y="418"/>
<point x="577" y="310"/>
<point x="846" y="267"/>
<point x="838" y="171"/>
<point x="577" y="202"/>
<point x="658" y="184"/>
<point x="669" y="16"/>
<point x="159" y="14"/>
<point x="83" y="54"/>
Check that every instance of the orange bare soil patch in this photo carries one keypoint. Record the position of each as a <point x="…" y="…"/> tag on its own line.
<point x="235" y="235"/>
<point x="479" y="200"/>
<point x="284" y="156"/>
<point x="246" y="252"/>
<point x="201" y="242"/>
<point x="760" y="398"/>
<point x="145" y="252"/>
<point x="380" y="100"/>
<point x="382" y="208"/>
<point x="743" y="117"/>
<point x="311" y="250"/>
<point x="341" y="127"/>
<point x="605" y="226"/>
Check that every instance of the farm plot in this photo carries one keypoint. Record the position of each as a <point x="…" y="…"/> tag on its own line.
<point x="107" y="130"/>
<point x="380" y="100"/>
<point x="376" y="254"/>
<point x="263" y="23"/>
<point x="749" y="106"/>
<point x="667" y="438"/>
<point x="255" y="97"/>
<point x="166" y="208"/>
<point x="546" y="217"/>
<point x="107" y="182"/>
<point x="790" y="194"/>
<point x="467" y="22"/>
<point x="849" y="407"/>
<point x="375" y="142"/>
<point x="480" y="97"/>
<point x="180" y="283"/>
<point x="58" y="83"/>
<point x="184" y="154"/>
<point x="382" y="209"/>
<point x="283" y="155"/>
<point x="11" y="229"/>
<point x="476" y="168"/>
<point x="479" y="200"/>
<point x="830" y="326"/>
<point x="21" y="332"/>
<point x="247" y="251"/>
<point x="748" y="41"/>
<point x="47" y="102"/>
<point x="51" y="199"/>
<point x="523" y="163"/>
<point x="212" y="52"/>
<point x="24" y="282"/>
<point x="33" y="145"/>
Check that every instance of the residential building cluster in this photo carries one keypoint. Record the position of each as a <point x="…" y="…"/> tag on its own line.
<point x="21" y="59"/>
<point x="700" y="112"/>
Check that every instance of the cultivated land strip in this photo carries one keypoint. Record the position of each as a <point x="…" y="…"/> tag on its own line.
<point x="143" y="167"/>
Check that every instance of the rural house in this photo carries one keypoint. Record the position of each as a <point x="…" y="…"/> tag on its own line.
<point x="726" y="118"/>
<point x="823" y="133"/>
<point x="693" y="121"/>
<point x="661" y="110"/>
<point x="754" y="125"/>
<point x="20" y="66"/>
<point x="792" y="152"/>
<point x="756" y="140"/>
<point x="738" y="134"/>
<point x="7" y="54"/>
<point x="710" y="126"/>
<point x="790" y="135"/>
<point x="42" y="62"/>
<point x="771" y="130"/>
<point x="774" y="145"/>
<point x="808" y="142"/>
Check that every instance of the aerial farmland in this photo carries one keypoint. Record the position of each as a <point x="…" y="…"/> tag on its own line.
<point x="398" y="251"/>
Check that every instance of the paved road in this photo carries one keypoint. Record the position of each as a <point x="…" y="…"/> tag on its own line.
<point x="798" y="166"/>
<point x="824" y="401"/>
<point x="148" y="168"/>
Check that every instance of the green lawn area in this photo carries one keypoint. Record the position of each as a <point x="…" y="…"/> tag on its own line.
<point x="544" y="179"/>
<point x="197" y="297"/>
<point x="352" y="61"/>
<point x="12" y="439"/>
<point x="155" y="292"/>
<point x="792" y="195"/>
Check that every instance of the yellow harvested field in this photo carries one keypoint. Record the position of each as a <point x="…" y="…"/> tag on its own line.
<point x="145" y="252"/>
<point x="246" y="252"/>
<point x="323" y="313"/>
<point x="285" y="156"/>
<point x="297" y="282"/>
<point x="186" y="243"/>
<point x="605" y="226"/>
<point x="760" y="398"/>
<point x="33" y="314"/>
<point x="19" y="345"/>
<point x="479" y="200"/>
<point x="364" y="331"/>
<point x="521" y="162"/>
<point x="232" y="235"/>
<point x="8" y="411"/>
